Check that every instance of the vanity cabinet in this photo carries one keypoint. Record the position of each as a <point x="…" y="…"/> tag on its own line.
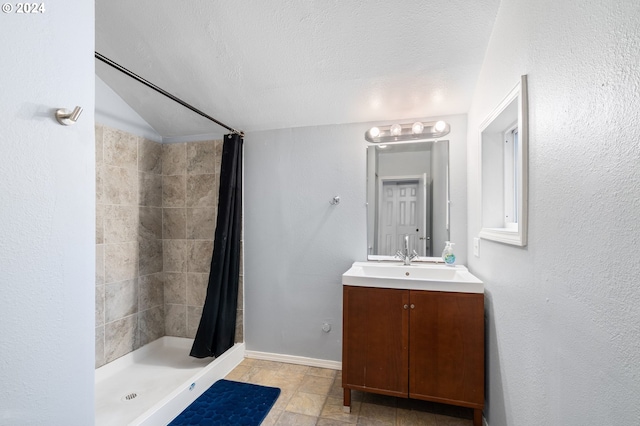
<point x="426" y="345"/>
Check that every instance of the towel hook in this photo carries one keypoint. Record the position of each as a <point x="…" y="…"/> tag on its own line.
<point x="67" y="118"/>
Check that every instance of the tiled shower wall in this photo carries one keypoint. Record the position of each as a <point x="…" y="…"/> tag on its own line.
<point x="155" y="223"/>
<point x="129" y="284"/>
<point x="190" y="181"/>
<point x="189" y="201"/>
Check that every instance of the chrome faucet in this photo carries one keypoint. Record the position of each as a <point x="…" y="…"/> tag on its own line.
<point x="406" y="257"/>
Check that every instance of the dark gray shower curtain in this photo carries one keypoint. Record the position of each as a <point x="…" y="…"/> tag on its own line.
<point x="216" y="332"/>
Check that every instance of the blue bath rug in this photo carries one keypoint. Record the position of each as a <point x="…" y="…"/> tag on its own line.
<point x="228" y="403"/>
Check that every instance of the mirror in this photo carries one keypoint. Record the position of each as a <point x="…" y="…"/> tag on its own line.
<point x="504" y="160"/>
<point x="407" y="194"/>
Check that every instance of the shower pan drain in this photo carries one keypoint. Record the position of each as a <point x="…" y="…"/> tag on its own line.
<point x="129" y="397"/>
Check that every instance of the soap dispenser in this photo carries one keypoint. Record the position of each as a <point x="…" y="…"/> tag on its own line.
<point x="447" y="254"/>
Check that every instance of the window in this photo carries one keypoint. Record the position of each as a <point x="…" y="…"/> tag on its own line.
<point x="510" y="137"/>
<point x="504" y="160"/>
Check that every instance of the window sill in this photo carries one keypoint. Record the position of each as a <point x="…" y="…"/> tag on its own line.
<point x="504" y="235"/>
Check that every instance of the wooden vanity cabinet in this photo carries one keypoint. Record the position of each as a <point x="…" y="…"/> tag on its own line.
<point x="426" y="345"/>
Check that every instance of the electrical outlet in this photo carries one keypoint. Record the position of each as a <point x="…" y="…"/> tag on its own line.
<point x="476" y="247"/>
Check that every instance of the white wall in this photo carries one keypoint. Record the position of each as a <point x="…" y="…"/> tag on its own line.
<point x="47" y="217"/>
<point x="113" y="111"/>
<point x="297" y="245"/>
<point x="563" y="332"/>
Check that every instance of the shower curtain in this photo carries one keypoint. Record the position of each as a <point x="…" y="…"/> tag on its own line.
<point x="216" y="332"/>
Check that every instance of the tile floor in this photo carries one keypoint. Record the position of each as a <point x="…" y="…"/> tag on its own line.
<point x="313" y="396"/>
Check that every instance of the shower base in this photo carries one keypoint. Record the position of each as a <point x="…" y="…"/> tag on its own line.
<point x="153" y="384"/>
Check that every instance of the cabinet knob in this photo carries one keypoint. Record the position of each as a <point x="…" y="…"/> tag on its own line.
<point x="406" y="306"/>
<point x="413" y="306"/>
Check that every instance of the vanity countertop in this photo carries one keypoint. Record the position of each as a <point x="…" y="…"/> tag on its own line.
<point x="417" y="276"/>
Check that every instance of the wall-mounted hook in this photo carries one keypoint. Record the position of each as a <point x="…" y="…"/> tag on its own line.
<point x="67" y="118"/>
<point x="335" y="200"/>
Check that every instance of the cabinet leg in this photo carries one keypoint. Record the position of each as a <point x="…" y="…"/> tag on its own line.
<point x="347" y="400"/>
<point x="477" y="417"/>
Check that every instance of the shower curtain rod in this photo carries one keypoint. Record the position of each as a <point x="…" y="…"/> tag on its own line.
<point x="163" y="92"/>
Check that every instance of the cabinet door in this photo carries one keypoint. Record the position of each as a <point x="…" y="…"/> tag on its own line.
<point x="447" y="347"/>
<point x="375" y="347"/>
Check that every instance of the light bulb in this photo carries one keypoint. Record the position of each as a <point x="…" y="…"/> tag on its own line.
<point x="417" y="128"/>
<point x="395" y="130"/>
<point x="374" y="132"/>
<point x="382" y="146"/>
<point x="440" y="126"/>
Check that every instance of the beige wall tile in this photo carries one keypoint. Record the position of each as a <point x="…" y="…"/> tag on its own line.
<point x="216" y="186"/>
<point x="194" y="313"/>
<point x="100" y="196"/>
<point x="99" y="131"/>
<point x="239" y="336"/>
<point x="151" y="291"/>
<point x="99" y="223"/>
<point x="99" y="305"/>
<point x="150" y="224"/>
<point x="120" y="186"/>
<point x="240" y="304"/>
<point x="100" y="346"/>
<point x="218" y="156"/>
<point x="141" y="198"/>
<point x="201" y="191"/>
<point x="120" y="300"/>
<point x="196" y="288"/>
<point x="174" y="159"/>
<point x="175" y="321"/>
<point x="149" y="156"/>
<point x="175" y="287"/>
<point x="151" y="324"/>
<point x="174" y="223"/>
<point x="199" y="257"/>
<point x="120" y="262"/>
<point x="201" y="223"/>
<point x="201" y="158"/>
<point x="175" y="255"/>
<point x="150" y="189"/>
<point x="173" y="191"/>
<point x="151" y="256"/>
<point x="120" y="224"/>
<point x="120" y="337"/>
<point x="99" y="264"/>
<point x="120" y="148"/>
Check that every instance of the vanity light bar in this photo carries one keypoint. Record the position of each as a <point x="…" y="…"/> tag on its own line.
<point x="407" y="132"/>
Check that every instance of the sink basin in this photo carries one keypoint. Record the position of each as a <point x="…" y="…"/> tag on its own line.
<point x="417" y="276"/>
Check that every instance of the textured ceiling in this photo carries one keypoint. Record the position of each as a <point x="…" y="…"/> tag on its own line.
<point x="289" y="63"/>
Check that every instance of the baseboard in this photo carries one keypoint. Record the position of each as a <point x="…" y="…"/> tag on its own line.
<point x="292" y="359"/>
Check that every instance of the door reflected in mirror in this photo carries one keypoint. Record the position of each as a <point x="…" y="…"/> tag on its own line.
<point x="407" y="194"/>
